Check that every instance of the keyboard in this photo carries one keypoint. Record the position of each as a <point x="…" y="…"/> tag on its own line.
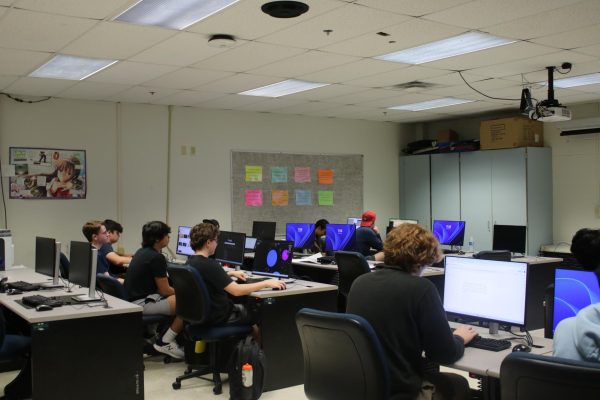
<point x="253" y="280"/>
<point x="326" y="260"/>
<point x="490" y="344"/>
<point x="23" y="286"/>
<point x="36" y="300"/>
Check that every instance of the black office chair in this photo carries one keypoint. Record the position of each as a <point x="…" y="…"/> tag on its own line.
<point x="343" y="358"/>
<point x="64" y="266"/>
<point x="350" y="266"/>
<point x="549" y="311"/>
<point x="526" y="376"/>
<point x="113" y="287"/>
<point x="14" y="349"/>
<point x="193" y="306"/>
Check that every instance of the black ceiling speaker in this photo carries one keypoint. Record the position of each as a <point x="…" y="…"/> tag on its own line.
<point x="284" y="9"/>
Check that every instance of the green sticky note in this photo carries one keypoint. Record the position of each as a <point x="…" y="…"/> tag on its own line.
<point x="325" y="197"/>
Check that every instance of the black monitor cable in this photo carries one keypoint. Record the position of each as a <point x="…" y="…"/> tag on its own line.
<point x="481" y="93"/>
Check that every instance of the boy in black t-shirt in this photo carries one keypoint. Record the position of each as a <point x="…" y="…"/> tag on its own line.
<point x="203" y="240"/>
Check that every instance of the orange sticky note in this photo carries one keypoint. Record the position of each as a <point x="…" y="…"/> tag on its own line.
<point x="279" y="197"/>
<point x="325" y="176"/>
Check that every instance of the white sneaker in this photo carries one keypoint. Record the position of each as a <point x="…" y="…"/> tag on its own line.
<point x="171" y="349"/>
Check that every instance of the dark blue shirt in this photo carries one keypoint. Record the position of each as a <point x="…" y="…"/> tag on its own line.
<point x="366" y="239"/>
<point x="103" y="265"/>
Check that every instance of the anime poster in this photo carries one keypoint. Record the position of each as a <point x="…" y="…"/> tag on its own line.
<point x="47" y="173"/>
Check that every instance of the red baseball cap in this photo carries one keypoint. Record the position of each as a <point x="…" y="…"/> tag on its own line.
<point x="368" y="218"/>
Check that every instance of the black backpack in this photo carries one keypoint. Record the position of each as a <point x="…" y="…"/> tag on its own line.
<point x="247" y="351"/>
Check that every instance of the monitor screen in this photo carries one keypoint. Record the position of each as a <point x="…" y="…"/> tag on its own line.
<point x="183" y="241"/>
<point x="573" y="291"/>
<point x="263" y="230"/>
<point x="486" y="290"/>
<point x="45" y="256"/>
<point x="354" y="221"/>
<point x="340" y="237"/>
<point x="303" y="235"/>
<point x="510" y="237"/>
<point x="230" y="248"/>
<point x="397" y="222"/>
<point x="250" y="243"/>
<point x="451" y="233"/>
<point x="80" y="268"/>
<point x="274" y="257"/>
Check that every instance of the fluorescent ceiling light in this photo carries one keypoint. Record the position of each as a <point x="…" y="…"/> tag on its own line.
<point x="427" y="105"/>
<point x="283" y="88"/>
<point x="71" y="67"/>
<point x="462" y="44"/>
<point x="582" y="80"/>
<point x="175" y="14"/>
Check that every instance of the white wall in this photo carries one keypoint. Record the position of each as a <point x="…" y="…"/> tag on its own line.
<point x="133" y="178"/>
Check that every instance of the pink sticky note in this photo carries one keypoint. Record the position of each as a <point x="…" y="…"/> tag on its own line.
<point x="254" y="198"/>
<point x="302" y="174"/>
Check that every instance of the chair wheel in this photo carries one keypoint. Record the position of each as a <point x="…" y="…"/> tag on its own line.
<point x="218" y="389"/>
<point x="176" y="385"/>
<point x="167" y="360"/>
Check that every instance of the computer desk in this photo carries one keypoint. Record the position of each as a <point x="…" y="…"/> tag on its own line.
<point x="81" y="352"/>
<point x="486" y="364"/>
<point x="276" y="311"/>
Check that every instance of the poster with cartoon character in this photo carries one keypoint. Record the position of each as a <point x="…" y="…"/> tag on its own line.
<point x="47" y="173"/>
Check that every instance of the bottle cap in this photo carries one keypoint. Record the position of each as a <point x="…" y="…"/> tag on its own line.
<point x="246" y="366"/>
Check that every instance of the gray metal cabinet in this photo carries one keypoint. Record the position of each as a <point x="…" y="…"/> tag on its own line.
<point x="415" y="189"/>
<point x="445" y="193"/>
<point x="476" y="197"/>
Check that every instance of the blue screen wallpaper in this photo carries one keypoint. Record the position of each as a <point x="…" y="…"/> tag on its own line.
<point x="450" y="233"/>
<point x="573" y="291"/>
<point x="340" y="237"/>
<point x="303" y="235"/>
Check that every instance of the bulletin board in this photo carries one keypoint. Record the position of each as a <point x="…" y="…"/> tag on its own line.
<point x="284" y="188"/>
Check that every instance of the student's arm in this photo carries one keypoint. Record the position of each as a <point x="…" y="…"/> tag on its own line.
<point x="164" y="289"/>
<point x="245" y="289"/>
<point x="376" y="242"/>
<point x="116" y="259"/>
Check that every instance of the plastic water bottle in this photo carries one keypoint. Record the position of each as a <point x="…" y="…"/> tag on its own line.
<point x="471" y="244"/>
<point x="247" y="375"/>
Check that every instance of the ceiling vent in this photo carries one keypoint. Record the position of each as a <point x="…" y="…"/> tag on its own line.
<point x="284" y="9"/>
<point x="221" y="41"/>
<point x="413" y="86"/>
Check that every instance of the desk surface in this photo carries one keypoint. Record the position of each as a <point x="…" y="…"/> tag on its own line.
<point x="487" y="363"/>
<point x="20" y="273"/>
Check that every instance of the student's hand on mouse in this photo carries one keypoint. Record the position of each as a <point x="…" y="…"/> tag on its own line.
<point x="466" y="332"/>
<point x="239" y="274"/>
<point x="275" y="284"/>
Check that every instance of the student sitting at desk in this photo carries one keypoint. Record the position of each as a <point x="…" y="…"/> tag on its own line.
<point x="578" y="337"/>
<point x="319" y="246"/>
<point x="95" y="232"/>
<point x="406" y="312"/>
<point x="116" y="262"/>
<point x="147" y="285"/>
<point x="203" y="240"/>
<point x="367" y="235"/>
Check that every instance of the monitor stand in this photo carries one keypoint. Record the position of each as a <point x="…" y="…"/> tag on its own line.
<point x="493" y="328"/>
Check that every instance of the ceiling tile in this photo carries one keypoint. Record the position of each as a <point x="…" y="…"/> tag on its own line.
<point x="231" y="101"/>
<point x="187" y="98"/>
<point x="590" y="50"/>
<point x="411" y="7"/>
<point x="76" y="8"/>
<point x="413" y="32"/>
<point x="402" y="74"/>
<point x="38" y="86"/>
<point x="183" y="49"/>
<point x="248" y="56"/>
<point x="93" y="90"/>
<point x="486" y="13"/>
<point x="141" y="94"/>
<point x="116" y="40"/>
<point x="3" y="10"/>
<point x="6" y="80"/>
<point x="246" y="20"/>
<point x="270" y="104"/>
<point x="21" y="62"/>
<point x="576" y="38"/>
<point x="307" y="107"/>
<point x="364" y="96"/>
<point x="302" y="64"/>
<point x="345" y="22"/>
<point x="350" y="71"/>
<point x="326" y="92"/>
<point x="238" y="83"/>
<point x="27" y="30"/>
<point x="6" y="2"/>
<point x="187" y="78"/>
<point x="131" y="73"/>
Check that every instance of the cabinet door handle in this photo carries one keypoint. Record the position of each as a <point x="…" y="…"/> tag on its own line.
<point x="488" y="225"/>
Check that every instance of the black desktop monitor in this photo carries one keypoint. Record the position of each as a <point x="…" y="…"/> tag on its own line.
<point x="273" y="258"/>
<point x="486" y="290"/>
<point x="395" y="222"/>
<point x="340" y="237"/>
<point x="183" y="241"/>
<point x="82" y="269"/>
<point x="303" y="235"/>
<point x="45" y="256"/>
<point x="451" y="233"/>
<point x="573" y="291"/>
<point x="230" y="248"/>
<point x="510" y="237"/>
<point x="354" y="221"/>
<point x="264" y="230"/>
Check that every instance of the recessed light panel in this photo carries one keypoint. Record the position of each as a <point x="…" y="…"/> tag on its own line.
<point x="427" y="105"/>
<point x="582" y="80"/>
<point x="174" y="14"/>
<point x="462" y="44"/>
<point x="283" y="88"/>
<point x="71" y="67"/>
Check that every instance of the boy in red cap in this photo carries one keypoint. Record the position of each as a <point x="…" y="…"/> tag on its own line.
<point x="367" y="236"/>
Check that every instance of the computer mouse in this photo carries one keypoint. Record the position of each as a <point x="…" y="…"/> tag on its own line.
<point x="43" y="307"/>
<point x="276" y="288"/>
<point x="13" y="291"/>
<point x="521" y="347"/>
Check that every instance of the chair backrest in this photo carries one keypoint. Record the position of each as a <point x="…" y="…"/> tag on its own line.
<point x="343" y="358"/>
<point x="549" y="311"/>
<point x="111" y="286"/>
<point x="525" y="376"/>
<point x="350" y="266"/>
<point x="64" y="265"/>
<point x="193" y="300"/>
